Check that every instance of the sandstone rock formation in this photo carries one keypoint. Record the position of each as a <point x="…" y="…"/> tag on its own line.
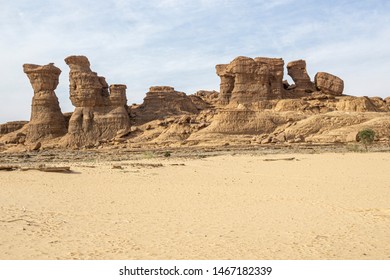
<point x="255" y="106"/>
<point x="100" y="110"/>
<point x="245" y="81"/>
<point x="248" y="82"/>
<point x="11" y="126"/>
<point x="276" y="72"/>
<point x="258" y="102"/>
<point x="46" y="119"/>
<point x="205" y="98"/>
<point x="297" y="71"/>
<point x="328" y="83"/>
<point x="161" y="102"/>
<point x="226" y="85"/>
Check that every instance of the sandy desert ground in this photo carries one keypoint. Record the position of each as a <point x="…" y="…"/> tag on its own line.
<point x="231" y="206"/>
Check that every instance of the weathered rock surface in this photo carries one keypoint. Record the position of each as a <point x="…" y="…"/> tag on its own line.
<point x="226" y="85"/>
<point x="205" y="98"/>
<point x="100" y="110"/>
<point x="161" y="102"/>
<point x="276" y="72"/>
<point x="259" y="102"/>
<point x="328" y="83"/>
<point x="251" y="81"/>
<point x="255" y="106"/>
<point x="297" y="71"/>
<point x="46" y="120"/>
<point x="9" y="127"/>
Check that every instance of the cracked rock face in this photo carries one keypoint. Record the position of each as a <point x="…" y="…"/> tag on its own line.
<point x="47" y="120"/>
<point x="297" y="71"/>
<point x="251" y="80"/>
<point x="164" y="101"/>
<point x="253" y="101"/>
<point x="86" y="88"/>
<point x="100" y="109"/>
<point x="226" y="85"/>
<point x="329" y="84"/>
<point x="246" y="80"/>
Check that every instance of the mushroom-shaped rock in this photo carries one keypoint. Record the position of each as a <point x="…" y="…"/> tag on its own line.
<point x="46" y="120"/>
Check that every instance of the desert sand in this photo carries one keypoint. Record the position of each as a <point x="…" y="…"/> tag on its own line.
<point x="230" y="206"/>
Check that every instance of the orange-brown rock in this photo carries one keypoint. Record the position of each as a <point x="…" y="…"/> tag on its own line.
<point x="297" y="71"/>
<point x="276" y="71"/>
<point x="226" y="85"/>
<point x="254" y="106"/>
<point x="163" y="101"/>
<point x="46" y="120"/>
<point x="99" y="114"/>
<point x="261" y="103"/>
<point x="210" y="97"/>
<point x="118" y="95"/>
<point x="86" y="88"/>
<point x="328" y="83"/>
<point x="251" y="81"/>
<point x="9" y="127"/>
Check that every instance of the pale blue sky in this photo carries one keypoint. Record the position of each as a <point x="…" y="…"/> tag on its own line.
<point x="178" y="43"/>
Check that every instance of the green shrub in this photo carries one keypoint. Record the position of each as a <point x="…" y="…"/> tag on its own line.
<point x="167" y="154"/>
<point x="366" y="137"/>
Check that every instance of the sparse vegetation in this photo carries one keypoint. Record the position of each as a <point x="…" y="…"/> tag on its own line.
<point x="366" y="137"/>
<point x="167" y="154"/>
<point x="148" y="154"/>
<point x="354" y="148"/>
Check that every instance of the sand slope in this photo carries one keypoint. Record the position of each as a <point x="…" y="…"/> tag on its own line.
<point x="320" y="206"/>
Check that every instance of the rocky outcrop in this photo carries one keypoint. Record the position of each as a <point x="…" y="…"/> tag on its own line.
<point x="118" y="95"/>
<point x="46" y="120"/>
<point x="328" y="83"/>
<point x="100" y="110"/>
<point x="9" y="127"/>
<point x="226" y="85"/>
<point x="210" y="97"/>
<point x="297" y="71"/>
<point x="276" y="73"/>
<point x="161" y="102"/>
<point x="254" y="106"/>
<point x="86" y="88"/>
<point x="259" y="102"/>
<point x="251" y="81"/>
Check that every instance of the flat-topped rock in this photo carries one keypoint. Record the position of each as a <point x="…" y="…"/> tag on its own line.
<point x="118" y="95"/>
<point x="163" y="101"/>
<point x="9" y="127"/>
<point x="78" y="63"/>
<point x="161" y="89"/>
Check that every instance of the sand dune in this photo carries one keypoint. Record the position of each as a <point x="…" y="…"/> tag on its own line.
<point x="317" y="206"/>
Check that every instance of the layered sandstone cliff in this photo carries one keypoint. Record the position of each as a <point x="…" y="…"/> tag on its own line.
<point x="9" y="127"/>
<point x="161" y="102"/>
<point x="46" y="120"/>
<point x="100" y="110"/>
<point x="258" y="102"/>
<point x="255" y="105"/>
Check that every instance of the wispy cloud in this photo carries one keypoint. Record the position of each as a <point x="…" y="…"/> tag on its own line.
<point x="178" y="43"/>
